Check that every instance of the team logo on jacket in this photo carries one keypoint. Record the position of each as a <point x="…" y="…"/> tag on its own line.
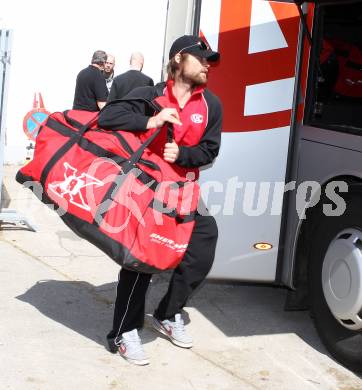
<point x="72" y="186"/>
<point x="197" y="118"/>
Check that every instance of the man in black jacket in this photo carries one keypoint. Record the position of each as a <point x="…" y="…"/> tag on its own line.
<point x="125" y="82"/>
<point x="196" y="115"/>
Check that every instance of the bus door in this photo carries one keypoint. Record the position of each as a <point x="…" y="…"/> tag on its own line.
<point x="323" y="252"/>
<point x="255" y="80"/>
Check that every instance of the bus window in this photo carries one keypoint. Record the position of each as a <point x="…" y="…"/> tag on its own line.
<point x="335" y="84"/>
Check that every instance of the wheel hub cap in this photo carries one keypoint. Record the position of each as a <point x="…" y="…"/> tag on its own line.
<point x="342" y="278"/>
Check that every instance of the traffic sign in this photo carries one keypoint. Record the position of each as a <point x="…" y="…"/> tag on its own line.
<point x="35" y="118"/>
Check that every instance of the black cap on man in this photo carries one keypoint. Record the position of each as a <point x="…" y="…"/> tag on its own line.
<point x="193" y="45"/>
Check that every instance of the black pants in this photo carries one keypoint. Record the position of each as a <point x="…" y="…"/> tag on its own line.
<point x="129" y="308"/>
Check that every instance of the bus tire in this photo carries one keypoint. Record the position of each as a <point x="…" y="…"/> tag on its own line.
<point x="345" y="345"/>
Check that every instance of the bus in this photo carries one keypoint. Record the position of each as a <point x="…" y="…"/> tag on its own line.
<point x="286" y="188"/>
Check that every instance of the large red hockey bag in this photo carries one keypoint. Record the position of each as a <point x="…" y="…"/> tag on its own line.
<point x="113" y="191"/>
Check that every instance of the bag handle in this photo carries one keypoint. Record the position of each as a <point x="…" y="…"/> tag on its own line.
<point x="170" y="134"/>
<point x="136" y="156"/>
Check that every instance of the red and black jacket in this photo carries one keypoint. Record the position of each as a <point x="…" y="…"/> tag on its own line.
<point x="199" y="137"/>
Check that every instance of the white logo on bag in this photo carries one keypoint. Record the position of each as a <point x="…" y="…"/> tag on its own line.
<point x="197" y="118"/>
<point x="156" y="238"/>
<point x="72" y="186"/>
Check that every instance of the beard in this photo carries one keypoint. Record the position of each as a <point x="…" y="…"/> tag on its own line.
<point x="107" y="74"/>
<point x="195" y="80"/>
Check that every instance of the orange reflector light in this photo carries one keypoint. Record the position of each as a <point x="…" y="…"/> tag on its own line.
<point x="263" y="246"/>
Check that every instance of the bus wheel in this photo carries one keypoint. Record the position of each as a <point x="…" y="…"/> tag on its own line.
<point x="336" y="283"/>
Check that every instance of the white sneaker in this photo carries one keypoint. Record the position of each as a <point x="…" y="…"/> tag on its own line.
<point x="174" y="330"/>
<point x="131" y="349"/>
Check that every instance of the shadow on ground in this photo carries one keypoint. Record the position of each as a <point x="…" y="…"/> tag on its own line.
<point x="237" y="310"/>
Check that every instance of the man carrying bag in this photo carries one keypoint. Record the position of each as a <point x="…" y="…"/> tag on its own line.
<point x="196" y="116"/>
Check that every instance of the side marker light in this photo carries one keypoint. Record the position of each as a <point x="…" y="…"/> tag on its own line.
<point x="263" y="246"/>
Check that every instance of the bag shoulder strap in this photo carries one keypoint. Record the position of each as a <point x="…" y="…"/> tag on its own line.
<point x="135" y="157"/>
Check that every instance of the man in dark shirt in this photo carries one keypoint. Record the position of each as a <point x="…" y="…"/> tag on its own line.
<point x="131" y="79"/>
<point x="90" y="90"/>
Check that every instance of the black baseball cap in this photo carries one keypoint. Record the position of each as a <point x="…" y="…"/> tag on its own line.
<point x="193" y="44"/>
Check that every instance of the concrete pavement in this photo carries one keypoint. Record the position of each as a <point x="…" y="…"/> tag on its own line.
<point x="56" y="295"/>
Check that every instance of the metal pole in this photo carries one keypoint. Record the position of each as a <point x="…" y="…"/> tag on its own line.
<point x="5" y="37"/>
<point x="6" y="215"/>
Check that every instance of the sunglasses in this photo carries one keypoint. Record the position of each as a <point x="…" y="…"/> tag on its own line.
<point x="201" y="44"/>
